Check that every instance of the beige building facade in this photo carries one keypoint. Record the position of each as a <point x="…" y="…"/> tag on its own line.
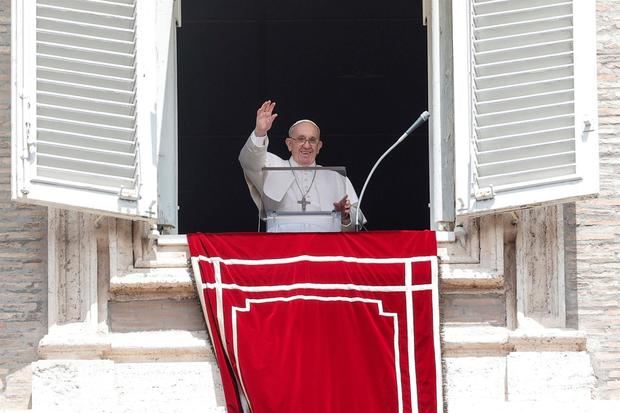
<point x="99" y="312"/>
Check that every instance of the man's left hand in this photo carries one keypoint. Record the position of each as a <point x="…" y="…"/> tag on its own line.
<point x="344" y="207"/>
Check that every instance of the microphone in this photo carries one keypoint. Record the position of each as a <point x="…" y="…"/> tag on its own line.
<point x="419" y="121"/>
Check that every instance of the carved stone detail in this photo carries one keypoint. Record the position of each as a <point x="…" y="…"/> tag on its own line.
<point x="476" y="258"/>
<point x="72" y="270"/>
<point x="152" y="250"/>
<point x="540" y="268"/>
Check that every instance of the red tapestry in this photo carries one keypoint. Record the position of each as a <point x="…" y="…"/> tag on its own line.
<point x="330" y="322"/>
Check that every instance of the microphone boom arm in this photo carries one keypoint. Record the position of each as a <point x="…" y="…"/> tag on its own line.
<point x="421" y="119"/>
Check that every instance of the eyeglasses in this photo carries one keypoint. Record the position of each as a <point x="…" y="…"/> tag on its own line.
<point x="301" y="140"/>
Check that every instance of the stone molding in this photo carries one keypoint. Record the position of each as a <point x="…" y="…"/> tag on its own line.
<point x="69" y="342"/>
<point x="487" y="341"/>
<point x="153" y="283"/>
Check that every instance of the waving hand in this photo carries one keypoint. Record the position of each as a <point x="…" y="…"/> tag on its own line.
<point x="265" y="118"/>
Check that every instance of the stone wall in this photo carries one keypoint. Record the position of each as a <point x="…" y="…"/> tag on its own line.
<point x="597" y="233"/>
<point x="23" y="253"/>
<point x="593" y="243"/>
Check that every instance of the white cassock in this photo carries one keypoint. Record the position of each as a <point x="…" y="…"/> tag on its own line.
<point x="285" y="191"/>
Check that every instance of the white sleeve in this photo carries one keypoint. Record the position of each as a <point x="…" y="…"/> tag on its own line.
<point x="258" y="140"/>
<point x="253" y="158"/>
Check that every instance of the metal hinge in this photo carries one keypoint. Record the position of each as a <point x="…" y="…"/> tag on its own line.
<point x="587" y="126"/>
<point x="151" y="211"/>
<point x="30" y="143"/>
<point x="483" y="194"/>
<point x="128" y="194"/>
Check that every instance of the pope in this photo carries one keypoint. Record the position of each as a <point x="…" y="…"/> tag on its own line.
<point x="301" y="190"/>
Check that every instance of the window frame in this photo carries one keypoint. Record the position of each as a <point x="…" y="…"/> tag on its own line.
<point x="449" y="159"/>
<point x="438" y="17"/>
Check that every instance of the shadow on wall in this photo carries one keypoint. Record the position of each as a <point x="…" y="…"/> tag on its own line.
<point x="570" y="265"/>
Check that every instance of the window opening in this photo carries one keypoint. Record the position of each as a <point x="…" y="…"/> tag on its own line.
<point x="357" y="68"/>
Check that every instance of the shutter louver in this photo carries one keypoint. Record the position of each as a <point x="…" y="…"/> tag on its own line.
<point x="90" y="81"/>
<point x="523" y="91"/>
<point x="86" y="99"/>
<point x="526" y="69"/>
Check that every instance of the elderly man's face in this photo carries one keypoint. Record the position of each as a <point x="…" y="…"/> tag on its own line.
<point x="304" y="144"/>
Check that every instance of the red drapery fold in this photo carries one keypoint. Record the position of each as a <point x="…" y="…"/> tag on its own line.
<point x="330" y="322"/>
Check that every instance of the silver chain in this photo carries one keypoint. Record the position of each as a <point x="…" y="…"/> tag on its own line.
<point x="303" y="195"/>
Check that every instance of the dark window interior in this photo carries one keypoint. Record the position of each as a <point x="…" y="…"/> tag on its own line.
<point x="356" y="67"/>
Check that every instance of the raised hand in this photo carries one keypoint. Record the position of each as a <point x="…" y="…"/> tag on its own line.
<point x="265" y="118"/>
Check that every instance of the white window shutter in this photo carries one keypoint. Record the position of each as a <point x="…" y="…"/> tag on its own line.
<point x="525" y="103"/>
<point x="85" y="93"/>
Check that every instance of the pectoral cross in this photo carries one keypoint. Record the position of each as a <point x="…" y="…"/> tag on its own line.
<point x="303" y="203"/>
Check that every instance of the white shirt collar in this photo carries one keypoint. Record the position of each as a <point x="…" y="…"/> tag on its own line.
<point x="296" y="165"/>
